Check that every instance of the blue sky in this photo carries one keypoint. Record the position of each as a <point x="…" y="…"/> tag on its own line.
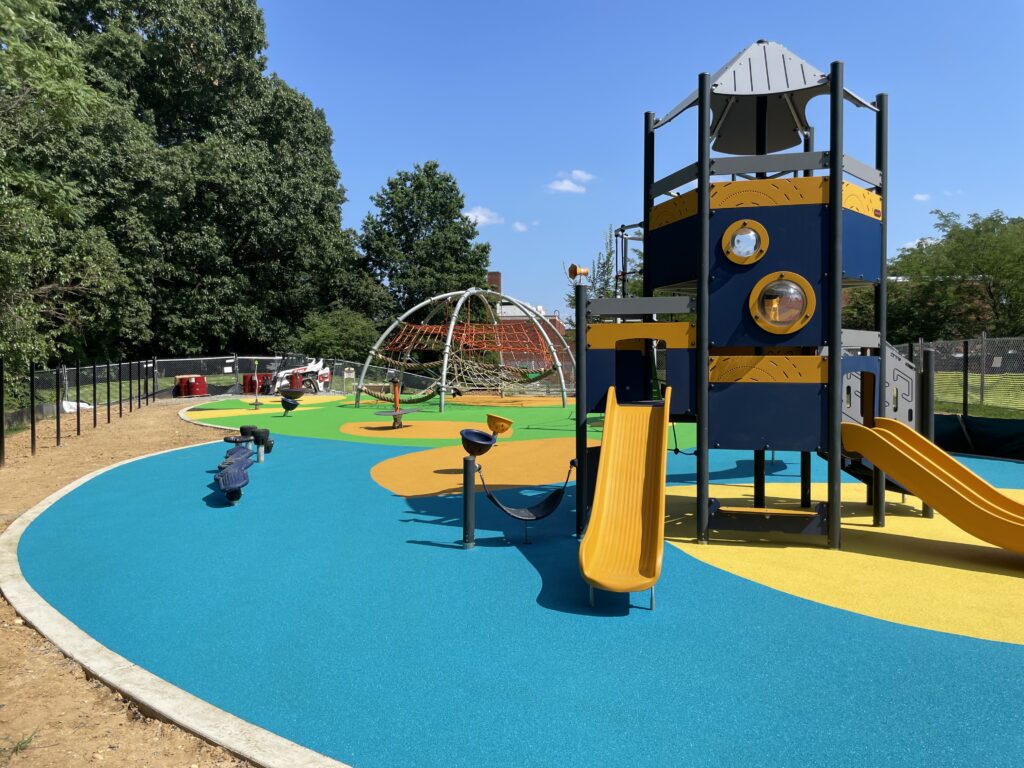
<point x="513" y="98"/>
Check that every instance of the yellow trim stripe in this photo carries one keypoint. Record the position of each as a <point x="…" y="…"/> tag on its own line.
<point x="609" y="335"/>
<point x="768" y="369"/>
<point x="763" y="193"/>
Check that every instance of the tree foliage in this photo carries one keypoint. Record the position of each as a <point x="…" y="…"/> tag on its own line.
<point x="601" y="280"/>
<point x="419" y="242"/>
<point x="967" y="281"/>
<point x="340" y="333"/>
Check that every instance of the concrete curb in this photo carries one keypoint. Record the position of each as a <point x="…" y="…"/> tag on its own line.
<point x="153" y="695"/>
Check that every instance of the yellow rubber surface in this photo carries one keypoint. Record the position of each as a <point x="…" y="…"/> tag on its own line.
<point x="940" y="481"/>
<point x="435" y="430"/>
<point x="622" y="548"/>
<point x="517" y="464"/>
<point x="921" y="572"/>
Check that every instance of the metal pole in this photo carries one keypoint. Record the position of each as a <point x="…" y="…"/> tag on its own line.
<point x="95" y="405"/>
<point x="984" y="358"/>
<point x="78" y="397"/>
<point x="835" y="303"/>
<point x="881" y="292"/>
<point x="809" y="146"/>
<point x="927" y="409"/>
<point x="967" y="375"/>
<point x="32" y="402"/>
<point x="146" y="377"/>
<point x="131" y="393"/>
<point x="120" y="391"/>
<point x="703" y="300"/>
<point x="108" y="391"/>
<point x="57" y="398"/>
<point x="468" y="502"/>
<point x="156" y="380"/>
<point x="138" y="387"/>
<point x="759" y="478"/>
<point x="582" y="468"/>
<point x="805" y="479"/>
<point x="648" y="201"/>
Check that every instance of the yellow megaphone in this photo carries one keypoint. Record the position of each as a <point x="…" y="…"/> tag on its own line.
<point x="577" y="271"/>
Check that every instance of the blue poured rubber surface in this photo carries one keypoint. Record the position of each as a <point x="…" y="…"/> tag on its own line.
<point x="331" y="612"/>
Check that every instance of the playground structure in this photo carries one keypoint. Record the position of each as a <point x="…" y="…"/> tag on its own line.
<point x="765" y="254"/>
<point x="459" y="354"/>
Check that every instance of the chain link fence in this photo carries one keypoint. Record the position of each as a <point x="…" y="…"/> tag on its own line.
<point x="980" y="377"/>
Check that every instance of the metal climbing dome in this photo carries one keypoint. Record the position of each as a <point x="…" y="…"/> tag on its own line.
<point x="462" y="346"/>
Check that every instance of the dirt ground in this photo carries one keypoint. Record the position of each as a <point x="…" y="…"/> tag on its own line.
<point x="51" y="716"/>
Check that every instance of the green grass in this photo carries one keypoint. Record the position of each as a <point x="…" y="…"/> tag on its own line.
<point x="323" y="420"/>
<point x="976" y="409"/>
<point x="16" y="747"/>
<point x="1002" y="391"/>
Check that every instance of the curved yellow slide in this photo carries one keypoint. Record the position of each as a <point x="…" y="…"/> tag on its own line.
<point x="940" y="481"/>
<point x="622" y="548"/>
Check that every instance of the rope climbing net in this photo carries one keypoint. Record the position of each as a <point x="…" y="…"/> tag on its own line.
<point x="462" y="345"/>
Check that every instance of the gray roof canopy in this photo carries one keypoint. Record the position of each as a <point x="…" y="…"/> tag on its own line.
<point x="768" y="71"/>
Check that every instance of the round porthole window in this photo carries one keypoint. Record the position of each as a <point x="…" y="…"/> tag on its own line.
<point x="782" y="302"/>
<point x="745" y="242"/>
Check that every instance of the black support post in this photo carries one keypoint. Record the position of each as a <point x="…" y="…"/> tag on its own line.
<point x="108" y="391"/>
<point x="648" y="201"/>
<point x="78" y="397"/>
<point x="156" y="381"/>
<point x="805" y="479"/>
<point x="57" y="398"/>
<point x="582" y="467"/>
<point x="32" y="402"/>
<point x="146" y="377"/>
<point x="468" y="502"/>
<point x="131" y="392"/>
<point x="881" y="293"/>
<point x="926" y="411"/>
<point x="138" y="384"/>
<point x="835" y="304"/>
<point x="95" y="403"/>
<point x="703" y="299"/>
<point x="967" y="376"/>
<point x="120" y="391"/>
<point x="759" y="478"/>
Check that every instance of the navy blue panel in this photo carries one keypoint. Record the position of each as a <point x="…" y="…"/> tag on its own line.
<point x="632" y="376"/>
<point x="862" y="247"/>
<point x="600" y="376"/>
<point x="786" y="417"/>
<point x="680" y="374"/>
<point x="671" y="255"/>
<point x="798" y="242"/>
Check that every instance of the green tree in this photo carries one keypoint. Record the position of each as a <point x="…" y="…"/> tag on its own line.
<point x="601" y="280"/>
<point x="340" y="333"/>
<point x="419" y="242"/>
<point x="968" y="280"/>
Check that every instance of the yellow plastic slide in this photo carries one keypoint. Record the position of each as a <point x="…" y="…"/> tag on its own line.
<point x="940" y="481"/>
<point x="622" y="548"/>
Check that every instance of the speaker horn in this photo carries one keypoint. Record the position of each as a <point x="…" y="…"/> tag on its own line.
<point x="577" y="271"/>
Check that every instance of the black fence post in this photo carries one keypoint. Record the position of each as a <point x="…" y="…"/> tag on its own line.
<point x="967" y="370"/>
<point x="32" y="402"/>
<point x="156" y="380"/>
<point x="3" y="418"/>
<point x="120" y="390"/>
<point x="108" y="391"/>
<point x="56" y="398"/>
<point x="138" y="384"/>
<point x="78" y="397"/>
<point x="131" y="393"/>
<point x="95" y="404"/>
<point x="146" y="377"/>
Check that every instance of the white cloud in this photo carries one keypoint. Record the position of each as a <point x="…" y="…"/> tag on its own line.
<point x="581" y="176"/>
<point x="922" y="196"/>
<point x="484" y="217"/>
<point x="518" y="226"/>
<point x="566" y="185"/>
